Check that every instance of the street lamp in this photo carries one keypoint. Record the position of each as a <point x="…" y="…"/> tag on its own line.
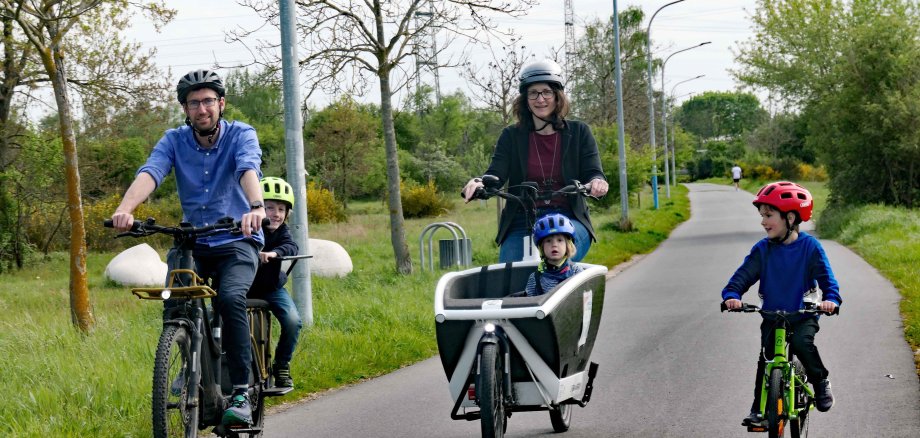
<point x="673" y="142"/>
<point x="651" y="103"/>
<point x="664" y="122"/>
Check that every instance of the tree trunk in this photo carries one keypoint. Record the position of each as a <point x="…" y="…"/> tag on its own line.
<point x="80" y="311"/>
<point x="397" y="226"/>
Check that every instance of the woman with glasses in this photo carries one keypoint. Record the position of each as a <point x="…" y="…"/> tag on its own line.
<point x="545" y="148"/>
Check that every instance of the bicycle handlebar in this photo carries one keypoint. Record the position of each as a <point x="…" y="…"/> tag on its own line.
<point x="810" y="308"/>
<point x="492" y="187"/>
<point x="149" y="227"/>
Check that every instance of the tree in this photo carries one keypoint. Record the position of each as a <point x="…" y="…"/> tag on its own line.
<point x="721" y="114"/>
<point x="45" y="25"/>
<point x="497" y="86"/>
<point x="355" y="39"/>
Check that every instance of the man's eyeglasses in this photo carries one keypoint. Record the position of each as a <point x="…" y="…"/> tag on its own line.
<point x="194" y="104"/>
<point x="547" y="94"/>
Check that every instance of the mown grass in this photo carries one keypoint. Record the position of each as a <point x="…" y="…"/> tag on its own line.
<point x="58" y="382"/>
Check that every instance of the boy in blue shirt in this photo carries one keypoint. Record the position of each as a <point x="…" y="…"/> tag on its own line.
<point x="790" y="265"/>
<point x="554" y="235"/>
<point x="270" y="279"/>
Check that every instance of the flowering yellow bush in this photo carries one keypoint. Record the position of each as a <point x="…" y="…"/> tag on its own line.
<point x="422" y="201"/>
<point x="322" y="206"/>
<point x="808" y="172"/>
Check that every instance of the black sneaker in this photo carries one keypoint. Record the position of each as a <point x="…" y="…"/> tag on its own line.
<point x="824" y="398"/>
<point x="753" y="419"/>
<point x="282" y="375"/>
<point x="239" y="412"/>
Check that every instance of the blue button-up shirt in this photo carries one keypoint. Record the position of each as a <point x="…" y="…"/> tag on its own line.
<point x="208" y="179"/>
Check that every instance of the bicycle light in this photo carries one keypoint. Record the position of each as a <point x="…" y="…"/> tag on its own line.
<point x="165" y="294"/>
<point x="489" y="327"/>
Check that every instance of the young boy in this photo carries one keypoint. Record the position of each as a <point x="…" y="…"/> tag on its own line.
<point x="789" y="265"/>
<point x="269" y="282"/>
<point x="554" y="235"/>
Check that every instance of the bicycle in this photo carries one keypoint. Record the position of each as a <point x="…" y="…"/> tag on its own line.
<point x="191" y="385"/>
<point x="785" y="396"/>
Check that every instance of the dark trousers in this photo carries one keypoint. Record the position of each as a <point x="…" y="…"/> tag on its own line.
<point x="801" y="337"/>
<point x="231" y="268"/>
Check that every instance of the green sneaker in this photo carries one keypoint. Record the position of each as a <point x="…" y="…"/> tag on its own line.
<point x="282" y="375"/>
<point x="239" y="412"/>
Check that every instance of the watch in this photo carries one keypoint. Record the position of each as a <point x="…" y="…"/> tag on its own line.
<point x="256" y="204"/>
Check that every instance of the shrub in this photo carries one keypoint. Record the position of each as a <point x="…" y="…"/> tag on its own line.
<point x="422" y="201"/>
<point x="166" y="211"/>
<point x="808" y="172"/>
<point x="322" y="206"/>
<point x="763" y="172"/>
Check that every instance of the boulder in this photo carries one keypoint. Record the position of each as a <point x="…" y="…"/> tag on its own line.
<point x="137" y="266"/>
<point x="329" y="259"/>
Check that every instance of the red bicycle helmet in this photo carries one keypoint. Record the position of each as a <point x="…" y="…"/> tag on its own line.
<point x="786" y="196"/>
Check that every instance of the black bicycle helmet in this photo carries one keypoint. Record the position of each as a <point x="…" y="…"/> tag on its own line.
<point x="196" y="80"/>
<point x="541" y="71"/>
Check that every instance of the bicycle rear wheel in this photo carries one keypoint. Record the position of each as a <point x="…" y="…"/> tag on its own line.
<point x="172" y="416"/>
<point x="490" y="392"/>
<point x="776" y="410"/>
<point x="803" y="403"/>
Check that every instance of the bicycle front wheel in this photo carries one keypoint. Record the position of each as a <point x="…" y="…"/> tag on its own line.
<point x="776" y="409"/>
<point x="172" y="415"/>
<point x="491" y="392"/>
<point x="561" y="417"/>
<point x="803" y="403"/>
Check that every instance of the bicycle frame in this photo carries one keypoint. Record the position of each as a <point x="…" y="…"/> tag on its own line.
<point x="782" y="356"/>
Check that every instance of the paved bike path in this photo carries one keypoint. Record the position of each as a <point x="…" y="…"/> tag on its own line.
<point x="671" y="364"/>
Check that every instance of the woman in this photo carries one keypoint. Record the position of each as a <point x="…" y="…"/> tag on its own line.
<point x="545" y="148"/>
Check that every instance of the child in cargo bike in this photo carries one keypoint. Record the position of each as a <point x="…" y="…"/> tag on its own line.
<point x="269" y="282"/>
<point x="789" y="265"/>
<point x="554" y="235"/>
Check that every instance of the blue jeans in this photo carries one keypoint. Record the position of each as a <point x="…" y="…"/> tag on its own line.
<point x="512" y="249"/>
<point x="282" y="306"/>
<point x="232" y="267"/>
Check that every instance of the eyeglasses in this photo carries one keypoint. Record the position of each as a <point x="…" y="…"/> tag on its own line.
<point x="194" y="104"/>
<point x="547" y="94"/>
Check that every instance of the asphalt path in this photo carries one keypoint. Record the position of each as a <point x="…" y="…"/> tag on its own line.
<point x="670" y="363"/>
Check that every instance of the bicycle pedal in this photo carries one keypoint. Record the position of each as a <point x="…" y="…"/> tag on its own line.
<point x="277" y="391"/>
<point x="757" y="428"/>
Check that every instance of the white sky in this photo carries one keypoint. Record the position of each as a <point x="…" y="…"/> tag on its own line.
<point x="196" y="37"/>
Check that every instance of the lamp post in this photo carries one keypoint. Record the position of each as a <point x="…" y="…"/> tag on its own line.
<point x="625" y="223"/>
<point x="664" y="122"/>
<point x="673" y="142"/>
<point x="651" y="103"/>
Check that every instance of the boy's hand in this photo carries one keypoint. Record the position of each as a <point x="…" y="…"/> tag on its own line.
<point x="827" y="306"/>
<point x="265" y="256"/>
<point x="733" y="304"/>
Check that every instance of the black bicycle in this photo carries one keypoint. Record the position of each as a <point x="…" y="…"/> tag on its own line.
<point x="191" y="385"/>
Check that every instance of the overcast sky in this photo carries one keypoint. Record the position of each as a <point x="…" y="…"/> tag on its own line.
<point x="196" y="37"/>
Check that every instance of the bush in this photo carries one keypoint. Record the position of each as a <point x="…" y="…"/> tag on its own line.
<point x="322" y="206"/>
<point x="762" y="172"/>
<point x="808" y="172"/>
<point x="166" y="211"/>
<point x="422" y="201"/>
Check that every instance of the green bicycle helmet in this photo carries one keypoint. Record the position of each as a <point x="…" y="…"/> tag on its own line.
<point x="277" y="189"/>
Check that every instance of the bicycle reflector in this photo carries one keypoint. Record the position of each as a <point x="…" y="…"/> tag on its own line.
<point x="165" y="294"/>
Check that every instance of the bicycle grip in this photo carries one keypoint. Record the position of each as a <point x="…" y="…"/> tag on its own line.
<point x="108" y="223"/>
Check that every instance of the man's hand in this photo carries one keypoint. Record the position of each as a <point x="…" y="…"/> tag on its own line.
<point x="733" y="304"/>
<point x="122" y="221"/>
<point x="599" y="187"/>
<point x="251" y="222"/>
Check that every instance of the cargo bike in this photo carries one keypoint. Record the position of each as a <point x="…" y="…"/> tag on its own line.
<point x="504" y="352"/>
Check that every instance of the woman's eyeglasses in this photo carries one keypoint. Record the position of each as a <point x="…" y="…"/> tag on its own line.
<point x="534" y="95"/>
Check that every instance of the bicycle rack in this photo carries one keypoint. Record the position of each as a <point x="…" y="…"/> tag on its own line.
<point x="457" y="252"/>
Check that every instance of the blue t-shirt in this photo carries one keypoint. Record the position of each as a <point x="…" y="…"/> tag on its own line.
<point x="786" y="273"/>
<point x="208" y="179"/>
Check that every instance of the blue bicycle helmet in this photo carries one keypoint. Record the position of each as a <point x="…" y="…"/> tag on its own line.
<point x="553" y="223"/>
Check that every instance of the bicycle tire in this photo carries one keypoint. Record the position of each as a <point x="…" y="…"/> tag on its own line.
<point x="803" y="403"/>
<point x="561" y="417"/>
<point x="490" y="392"/>
<point x="776" y="409"/>
<point x="172" y="417"/>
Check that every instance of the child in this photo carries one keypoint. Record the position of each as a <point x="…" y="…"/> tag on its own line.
<point x="554" y="235"/>
<point x="789" y="265"/>
<point x="269" y="282"/>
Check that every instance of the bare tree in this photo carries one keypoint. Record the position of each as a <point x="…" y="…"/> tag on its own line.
<point x="46" y="25"/>
<point x="347" y="42"/>
<point x="496" y="87"/>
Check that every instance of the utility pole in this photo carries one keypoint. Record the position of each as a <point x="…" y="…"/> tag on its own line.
<point x="296" y="174"/>
<point x="426" y="51"/>
<point x="569" y="39"/>
<point x="625" y="223"/>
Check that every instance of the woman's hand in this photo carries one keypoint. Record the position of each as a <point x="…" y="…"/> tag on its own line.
<point x="598" y="187"/>
<point x="470" y="189"/>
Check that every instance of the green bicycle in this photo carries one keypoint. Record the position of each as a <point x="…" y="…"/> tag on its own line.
<point x="786" y="397"/>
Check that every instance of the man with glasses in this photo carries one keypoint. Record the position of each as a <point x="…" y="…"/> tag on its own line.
<point x="545" y="148"/>
<point x="217" y="165"/>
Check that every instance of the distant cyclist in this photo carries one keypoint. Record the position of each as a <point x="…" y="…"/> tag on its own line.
<point x="790" y="265"/>
<point x="217" y="175"/>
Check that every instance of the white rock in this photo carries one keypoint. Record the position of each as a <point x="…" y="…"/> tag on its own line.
<point x="137" y="266"/>
<point x="329" y="259"/>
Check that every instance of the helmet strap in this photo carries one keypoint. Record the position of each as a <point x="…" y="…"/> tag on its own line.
<point x="211" y="133"/>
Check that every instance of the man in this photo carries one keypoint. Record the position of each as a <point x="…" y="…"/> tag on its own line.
<point x="217" y="175"/>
